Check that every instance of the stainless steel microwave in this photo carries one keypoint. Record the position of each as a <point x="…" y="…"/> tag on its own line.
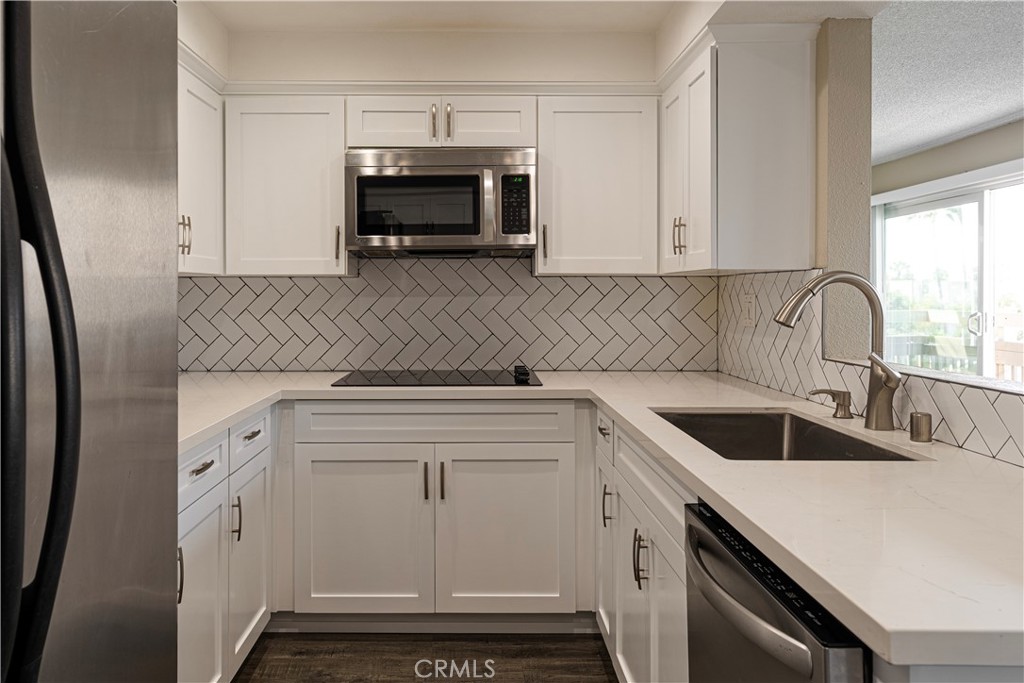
<point x="440" y="202"/>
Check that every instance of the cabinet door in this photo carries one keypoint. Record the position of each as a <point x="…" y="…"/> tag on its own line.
<point x="673" y="134"/>
<point x="633" y="628"/>
<point x="607" y="529"/>
<point x="249" y="585"/>
<point x="698" y="234"/>
<point x="668" y="608"/>
<point x="506" y="527"/>
<point x="203" y="588"/>
<point x="200" y="176"/>
<point x="285" y="161"/>
<point x="489" y="121"/>
<point x="394" y="121"/>
<point x="598" y="196"/>
<point x="364" y="527"/>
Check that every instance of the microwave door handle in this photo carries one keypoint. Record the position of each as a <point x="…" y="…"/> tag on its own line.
<point x="490" y="228"/>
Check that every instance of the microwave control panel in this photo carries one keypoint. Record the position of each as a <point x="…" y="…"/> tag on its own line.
<point x="515" y="204"/>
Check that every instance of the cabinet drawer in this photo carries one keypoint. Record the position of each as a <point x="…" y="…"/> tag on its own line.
<point x="603" y="435"/>
<point x="201" y="469"/>
<point x="249" y="438"/>
<point x="664" y="499"/>
<point x="433" y="421"/>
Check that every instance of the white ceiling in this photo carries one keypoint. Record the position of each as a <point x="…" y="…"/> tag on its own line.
<point x="942" y="71"/>
<point x="378" y="15"/>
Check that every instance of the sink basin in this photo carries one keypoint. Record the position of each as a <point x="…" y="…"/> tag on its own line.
<point x="774" y="436"/>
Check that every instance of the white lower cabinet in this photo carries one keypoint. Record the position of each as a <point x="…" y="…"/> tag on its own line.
<point x="633" y="609"/>
<point x="224" y="559"/>
<point x="505" y="527"/>
<point x="604" y="551"/>
<point x="645" y="571"/>
<point x="365" y="518"/>
<point x="249" y="557"/>
<point x="203" y="588"/>
<point x="364" y="527"/>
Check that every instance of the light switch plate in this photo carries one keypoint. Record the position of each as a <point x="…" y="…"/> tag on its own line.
<point x="748" y="317"/>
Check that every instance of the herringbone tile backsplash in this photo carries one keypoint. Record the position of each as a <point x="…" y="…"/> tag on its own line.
<point x="447" y="314"/>
<point x="985" y="421"/>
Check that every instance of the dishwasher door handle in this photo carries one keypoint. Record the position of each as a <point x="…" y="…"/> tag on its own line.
<point x="782" y="647"/>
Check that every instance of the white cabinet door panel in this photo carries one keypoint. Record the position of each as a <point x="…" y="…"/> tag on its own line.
<point x="249" y="595"/>
<point x="203" y="582"/>
<point x="668" y="608"/>
<point x="505" y="527"/>
<point x="699" y="237"/>
<point x="394" y="121"/>
<point x="606" y="550"/>
<point x="490" y="121"/>
<point x="285" y="161"/>
<point x="364" y="528"/>
<point x="200" y="175"/>
<point x="598" y="170"/>
<point x="673" y="132"/>
<point x="633" y="628"/>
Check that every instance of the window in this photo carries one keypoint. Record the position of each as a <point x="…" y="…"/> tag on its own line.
<point x="949" y="265"/>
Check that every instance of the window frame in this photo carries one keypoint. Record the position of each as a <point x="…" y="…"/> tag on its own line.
<point x="971" y="186"/>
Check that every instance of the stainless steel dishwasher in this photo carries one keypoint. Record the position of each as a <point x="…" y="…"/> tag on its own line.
<point x="750" y="623"/>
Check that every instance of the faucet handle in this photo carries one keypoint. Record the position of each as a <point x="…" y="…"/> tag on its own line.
<point x="842" y="399"/>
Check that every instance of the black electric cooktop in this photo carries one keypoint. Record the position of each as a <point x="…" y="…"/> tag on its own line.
<point x="522" y="375"/>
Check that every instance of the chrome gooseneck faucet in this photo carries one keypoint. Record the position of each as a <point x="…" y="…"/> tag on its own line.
<point x="884" y="379"/>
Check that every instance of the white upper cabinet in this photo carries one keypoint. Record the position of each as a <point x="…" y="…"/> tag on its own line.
<point x="285" y="159"/>
<point x="737" y="153"/>
<point x="687" y="170"/>
<point x="450" y="121"/>
<point x="598" y="185"/>
<point x="200" y="177"/>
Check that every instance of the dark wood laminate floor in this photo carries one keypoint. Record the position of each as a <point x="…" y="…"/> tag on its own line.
<point x="383" y="658"/>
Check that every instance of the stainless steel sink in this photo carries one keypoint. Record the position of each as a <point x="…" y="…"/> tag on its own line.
<point x="774" y="436"/>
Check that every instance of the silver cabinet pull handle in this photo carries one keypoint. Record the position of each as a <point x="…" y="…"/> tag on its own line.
<point x="603" y="431"/>
<point x="448" y="120"/>
<point x="789" y="651"/>
<point x="237" y="505"/>
<point x="426" y="481"/>
<point x="433" y="121"/>
<point x="605" y="493"/>
<point x="188" y="224"/>
<point x="184" y="235"/>
<point x="675" y="235"/>
<point x="252" y="435"/>
<point x="682" y="235"/>
<point x="337" y="242"/>
<point x="181" y="574"/>
<point x="544" y="240"/>
<point x="442" y="480"/>
<point x="201" y="469"/>
<point x="638" y="545"/>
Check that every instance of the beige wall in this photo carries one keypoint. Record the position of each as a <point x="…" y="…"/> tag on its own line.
<point x="678" y="29"/>
<point x="201" y="31"/>
<point x="987" y="148"/>
<point x="844" y="177"/>
<point x="442" y="56"/>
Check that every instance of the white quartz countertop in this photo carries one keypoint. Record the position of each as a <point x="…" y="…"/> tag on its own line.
<point x="924" y="561"/>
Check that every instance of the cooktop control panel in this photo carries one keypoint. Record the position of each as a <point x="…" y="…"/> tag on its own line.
<point x="515" y="204"/>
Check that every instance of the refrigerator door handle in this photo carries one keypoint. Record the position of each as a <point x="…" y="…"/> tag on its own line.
<point x="13" y="459"/>
<point x="39" y="229"/>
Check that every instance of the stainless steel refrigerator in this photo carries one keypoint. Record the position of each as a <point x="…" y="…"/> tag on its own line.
<point x="89" y="341"/>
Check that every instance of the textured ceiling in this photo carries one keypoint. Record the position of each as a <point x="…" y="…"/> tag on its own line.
<point x="942" y="71"/>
